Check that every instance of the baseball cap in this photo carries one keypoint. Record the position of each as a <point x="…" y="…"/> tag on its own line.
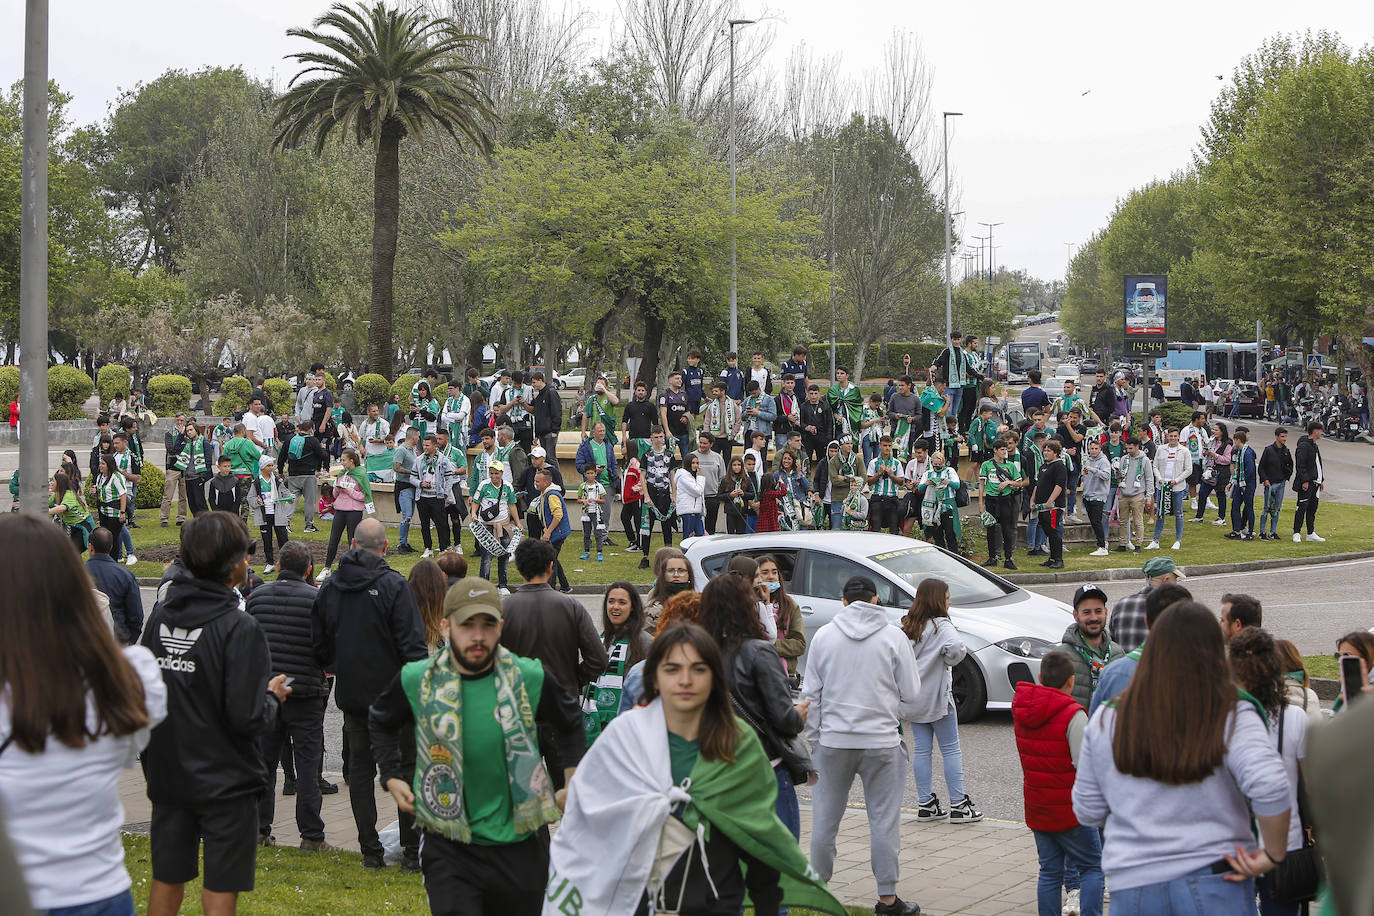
<point x="497" y="466"/>
<point x="471" y="596"/>
<point x="1090" y="590"/>
<point x="859" y="588"/>
<point x="1159" y="566"/>
<point x="538" y="452"/>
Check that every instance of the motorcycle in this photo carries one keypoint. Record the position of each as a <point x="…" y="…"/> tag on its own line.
<point x="1331" y="415"/>
<point x="1306" y="410"/>
<point x="1350" y="425"/>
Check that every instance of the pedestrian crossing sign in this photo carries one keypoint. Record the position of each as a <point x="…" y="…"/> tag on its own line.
<point x="1314" y="361"/>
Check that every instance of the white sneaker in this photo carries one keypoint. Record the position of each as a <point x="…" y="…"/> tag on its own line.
<point x="505" y="592"/>
<point x="458" y="549"/>
<point x="1220" y="521"/>
<point x="1194" y="501"/>
<point x="1297" y="538"/>
<point x="1177" y="545"/>
<point x="1130" y="545"/>
<point x="268" y="569"/>
<point x="130" y="560"/>
<point x="1099" y="552"/>
<point x="1153" y="545"/>
<point x="427" y="554"/>
<point x="1311" y="537"/>
<point x="1211" y="503"/>
<point x="322" y="575"/>
<point x="1071" y="903"/>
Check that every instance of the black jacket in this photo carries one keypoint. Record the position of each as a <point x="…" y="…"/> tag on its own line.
<point x="365" y="625"/>
<point x="283" y="610"/>
<point x="173" y="442"/>
<point x="758" y="686"/>
<point x="1275" y="464"/>
<point x="120" y="586"/>
<point x="820" y="416"/>
<point x="1305" y="461"/>
<point x="224" y="493"/>
<point x="313" y="457"/>
<point x="540" y="623"/>
<point x="1104" y="402"/>
<point x="548" y="413"/>
<point x="216" y="664"/>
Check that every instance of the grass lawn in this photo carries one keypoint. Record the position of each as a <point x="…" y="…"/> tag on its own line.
<point x="290" y="882"/>
<point x="1322" y="666"/>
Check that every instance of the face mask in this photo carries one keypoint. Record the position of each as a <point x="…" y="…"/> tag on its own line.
<point x="773" y="586"/>
<point x="674" y="587"/>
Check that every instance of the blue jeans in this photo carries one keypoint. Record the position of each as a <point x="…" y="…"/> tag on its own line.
<point x="684" y="445"/>
<point x="1035" y="538"/>
<point x="692" y="524"/>
<point x="751" y="523"/>
<point x="956" y="397"/>
<point x="836" y="516"/>
<point x="787" y="809"/>
<point x="1079" y="848"/>
<point x="1275" y="493"/>
<point x="1201" y="893"/>
<point x="923" y="735"/>
<point x="1180" y="497"/>
<point x="121" y="904"/>
<point x="126" y="540"/>
<point x="131" y="504"/>
<point x="407" y="498"/>
<point x="869" y="447"/>
<point x="1243" y="510"/>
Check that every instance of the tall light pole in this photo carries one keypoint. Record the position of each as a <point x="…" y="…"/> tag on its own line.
<point x="734" y="267"/>
<point x="285" y="227"/>
<point x="832" y="265"/>
<point x="949" y="292"/>
<point x="33" y="264"/>
<point x="990" y="227"/>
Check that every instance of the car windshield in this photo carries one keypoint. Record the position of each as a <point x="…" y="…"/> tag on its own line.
<point x="967" y="584"/>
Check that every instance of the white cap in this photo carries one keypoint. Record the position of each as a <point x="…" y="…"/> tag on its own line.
<point x="538" y="452"/>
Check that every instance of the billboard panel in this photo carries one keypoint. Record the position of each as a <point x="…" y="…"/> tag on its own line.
<point x="1146" y="304"/>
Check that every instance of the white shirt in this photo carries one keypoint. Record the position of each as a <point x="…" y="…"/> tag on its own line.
<point x="62" y="807"/>
<point x="373" y="429"/>
<point x="262" y="426"/>
<point x="760" y="376"/>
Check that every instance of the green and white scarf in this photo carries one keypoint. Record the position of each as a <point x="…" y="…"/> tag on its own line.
<point x="601" y="703"/>
<point x="436" y="696"/>
<point x="940" y="486"/>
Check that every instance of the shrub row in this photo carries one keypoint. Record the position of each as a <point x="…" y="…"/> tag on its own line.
<point x="922" y="355"/>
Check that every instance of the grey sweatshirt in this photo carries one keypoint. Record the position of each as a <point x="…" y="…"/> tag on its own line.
<point x="1097" y="477"/>
<point x="1156" y="832"/>
<point x="1137" y="475"/>
<point x="939" y="650"/>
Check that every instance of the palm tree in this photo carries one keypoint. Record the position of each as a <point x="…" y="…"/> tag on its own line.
<point x="384" y="74"/>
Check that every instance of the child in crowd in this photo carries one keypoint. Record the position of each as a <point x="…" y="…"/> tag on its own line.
<point x="224" y="488"/>
<point x="325" y="506"/>
<point x="593" y="498"/>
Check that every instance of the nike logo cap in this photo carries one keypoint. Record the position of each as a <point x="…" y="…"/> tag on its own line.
<point x="469" y="597"/>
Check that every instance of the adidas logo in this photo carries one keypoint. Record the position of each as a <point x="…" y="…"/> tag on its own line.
<point x="178" y="640"/>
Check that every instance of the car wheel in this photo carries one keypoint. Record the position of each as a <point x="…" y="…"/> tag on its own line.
<point x="970" y="692"/>
<point x="347" y="386"/>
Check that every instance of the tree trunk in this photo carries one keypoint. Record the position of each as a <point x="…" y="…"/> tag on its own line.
<point x="514" y="341"/>
<point x="654" y="327"/>
<point x="386" y="211"/>
<point x="861" y="343"/>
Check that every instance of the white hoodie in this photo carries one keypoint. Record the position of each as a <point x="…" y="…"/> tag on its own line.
<point x="861" y="680"/>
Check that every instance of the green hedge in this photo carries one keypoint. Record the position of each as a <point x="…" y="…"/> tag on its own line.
<point x="401" y="389"/>
<point x="68" y="389"/>
<point x="169" y="394"/>
<point x="922" y="355"/>
<point x="150" y="487"/>
<point x="111" y="380"/>
<point x="1176" y="413"/>
<point x="234" y="393"/>
<point x="279" y="391"/>
<point x="9" y="385"/>
<point x="371" y="388"/>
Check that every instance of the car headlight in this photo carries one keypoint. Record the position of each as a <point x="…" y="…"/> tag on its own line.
<point x="1026" y="646"/>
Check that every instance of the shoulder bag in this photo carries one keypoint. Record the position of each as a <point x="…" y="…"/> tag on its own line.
<point x="1297" y="877"/>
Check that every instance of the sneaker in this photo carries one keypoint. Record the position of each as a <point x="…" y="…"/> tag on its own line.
<point x="164" y="523"/>
<point x="897" y="907"/>
<point x="644" y="563"/>
<point x="1071" y="903"/>
<point x="328" y="788"/>
<point x="268" y="569"/>
<point x="410" y="864"/>
<point x="458" y="549"/>
<point x="1009" y="564"/>
<point x="964" y="812"/>
<point x="1099" y="552"/>
<point x="1124" y="548"/>
<point x="319" y="846"/>
<point x="180" y="522"/>
<point x="311" y="529"/>
<point x="504" y="592"/>
<point x="131" y="524"/>
<point x="600" y="558"/>
<point x="1177" y="545"/>
<point x="585" y="556"/>
<point x="1220" y="521"/>
<point x="266" y="839"/>
<point x="405" y="548"/>
<point x="1054" y="564"/>
<point x="991" y="562"/>
<point x="322" y="574"/>
<point x="931" y="811"/>
<point x="1194" y="502"/>
<point x="1195" y="518"/>
<point x="373" y="860"/>
<point x="1311" y="537"/>
<point x="288" y="787"/>
<point x="130" y="560"/>
<point x="567" y="589"/>
<point x="427" y="554"/>
<point x="1153" y="545"/>
<point x="1232" y="535"/>
<point x="1247" y="536"/>
<point x="1211" y="503"/>
<point x="1297" y="538"/>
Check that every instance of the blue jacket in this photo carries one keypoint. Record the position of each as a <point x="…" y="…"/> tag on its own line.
<point x="1248" y="474"/>
<point x="734" y="382"/>
<point x="768" y="412"/>
<point x="585" y="459"/>
<point x="120" y="586"/>
<point x="694" y="383"/>
<point x="560" y="533"/>
<point x="798" y="369"/>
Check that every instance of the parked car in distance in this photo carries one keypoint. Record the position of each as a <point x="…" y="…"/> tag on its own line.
<point x="1067" y="372"/>
<point x="1006" y="628"/>
<point x="573" y="378"/>
<point x="1089" y="365"/>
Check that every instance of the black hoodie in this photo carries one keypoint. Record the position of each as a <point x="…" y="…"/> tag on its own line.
<point x="365" y="626"/>
<point x="204" y="751"/>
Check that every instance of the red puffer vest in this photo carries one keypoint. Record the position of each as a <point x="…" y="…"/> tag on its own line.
<point x="1040" y="717"/>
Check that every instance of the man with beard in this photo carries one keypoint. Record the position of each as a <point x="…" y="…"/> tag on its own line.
<point x="1087" y="643"/>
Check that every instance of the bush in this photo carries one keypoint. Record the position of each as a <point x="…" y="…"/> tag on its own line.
<point x="1176" y="413"/>
<point x="169" y="394"/>
<point x="111" y="380"/>
<point x="331" y="383"/>
<point x="234" y="393"/>
<point x="402" y="390"/>
<point x="922" y="355"/>
<point x="68" y="389"/>
<point x="371" y="388"/>
<point x="279" y="393"/>
<point x="9" y="385"/>
<point x="150" y="487"/>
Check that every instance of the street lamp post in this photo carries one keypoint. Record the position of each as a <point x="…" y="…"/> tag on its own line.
<point x="734" y="268"/>
<point x="832" y="265"/>
<point x="33" y="263"/>
<point x="990" y="227"/>
<point x="949" y="293"/>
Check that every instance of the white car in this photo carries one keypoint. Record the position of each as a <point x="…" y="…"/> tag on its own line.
<point x="1067" y="372"/>
<point x="573" y="378"/>
<point x="1006" y="628"/>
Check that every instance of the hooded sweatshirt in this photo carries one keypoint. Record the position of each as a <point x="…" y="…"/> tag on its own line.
<point x="861" y="680"/>
<point x="215" y="663"/>
<point x="365" y="626"/>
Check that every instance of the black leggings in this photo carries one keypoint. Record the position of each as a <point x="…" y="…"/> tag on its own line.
<point x="1218" y="487"/>
<point x="1002" y="534"/>
<point x="115" y="526"/>
<point x="344" y="519"/>
<point x="266" y="531"/>
<point x="942" y="534"/>
<point x="734" y="520"/>
<point x="431" y="509"/>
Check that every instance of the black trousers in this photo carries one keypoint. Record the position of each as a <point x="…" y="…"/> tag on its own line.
<point x="195" y="496"/>
<point x="1052" y="523"/>
<point x="723" y="447"/>
<point x="629" y="520"/>
<point x="267" y="531"/>
<point x="465" y="879"/>
<point x="301" y="722"/>
<point x="1307" y="507"/>
<point x="968" y="401"/>
<point x="813" y="448"/>
<point x="432" y="509"/>
<point x="362" y="780"/>
<point x="662" y="500"/>
<point x="560" y="578"/>
<point x="1095" y="509"/>
<point x="942" y="534"/>
<point x="883" y="514"/>
<point x="1002" y="536"/>
<point x="115" y="526"/>
<point x="734" y="521"/>
<point x="345" y="520"/>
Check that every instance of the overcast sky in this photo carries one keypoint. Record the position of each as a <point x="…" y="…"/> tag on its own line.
<point x="1031" y="151"/>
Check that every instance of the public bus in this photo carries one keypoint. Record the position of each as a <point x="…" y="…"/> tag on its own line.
<point x="1022" y="356"/>
<point x="1218" y="360"/>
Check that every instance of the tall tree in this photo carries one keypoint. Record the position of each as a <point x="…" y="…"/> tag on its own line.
<point x="384" y="75"/>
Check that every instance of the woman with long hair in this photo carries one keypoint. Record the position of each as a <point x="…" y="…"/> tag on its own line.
<point x="689" y="497"/>
<point x="66" y="505"/>
<point x="478" y="418"/>
<point x="1259" y="670"/>
<point x="791" y="641"/>
<point x="672" y="574"/>
<point x="1180" y="742"/>
<point x="73" y="469"/>
<point x="1359" y="644"/>
<point x="627" y="644"/>
<point x="681" y="773"/>
<point x="352" y="497"/>
<point x="736" y="492"/>
<point x="193" y="461"/>
<point x="1216" y="473"/>
<point x="1296" y="683"/>
<point x="428" y="585"/>
<point x="772" y="488"/>
<point x="938" y="649"/>
<point x="112" y="497"/>
<point x="758" y="686"/>
<point x="76" y="712"/>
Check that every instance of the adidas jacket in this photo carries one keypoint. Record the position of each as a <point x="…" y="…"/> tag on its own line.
<point x="216" y="664"/>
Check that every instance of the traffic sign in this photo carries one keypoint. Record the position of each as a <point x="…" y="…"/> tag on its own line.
<point x="906" y="360"/>
<point x="1314" y="361"/>
<point x="994" y="340"/>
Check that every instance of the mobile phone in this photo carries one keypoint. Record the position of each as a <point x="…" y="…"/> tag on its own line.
<point x="1352" y="684"/>
<point x="289" y="681"/>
